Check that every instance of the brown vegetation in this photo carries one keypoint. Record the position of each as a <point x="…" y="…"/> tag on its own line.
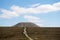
<point x="37" y="33"/>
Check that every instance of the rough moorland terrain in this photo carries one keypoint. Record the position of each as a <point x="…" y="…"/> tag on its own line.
<point x="36" y="33"/>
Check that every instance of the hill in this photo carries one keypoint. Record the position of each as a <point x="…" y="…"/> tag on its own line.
<point x="26" y="24"/>
<point x="37" y="33"/>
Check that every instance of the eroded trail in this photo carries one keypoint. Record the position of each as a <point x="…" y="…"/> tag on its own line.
<point x="25" y="33"/>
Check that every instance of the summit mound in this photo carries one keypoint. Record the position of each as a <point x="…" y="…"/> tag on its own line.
<point x="26" y="24"/>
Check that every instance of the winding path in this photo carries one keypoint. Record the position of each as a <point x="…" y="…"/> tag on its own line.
<point x="25" y="33"/>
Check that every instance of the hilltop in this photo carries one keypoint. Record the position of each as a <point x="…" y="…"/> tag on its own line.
<point x="26" y="24"/>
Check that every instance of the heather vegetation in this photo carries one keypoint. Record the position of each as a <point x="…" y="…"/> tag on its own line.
<point x="36" y="33"/>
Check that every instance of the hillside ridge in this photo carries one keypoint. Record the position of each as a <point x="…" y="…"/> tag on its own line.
<point x="26" y="24"/>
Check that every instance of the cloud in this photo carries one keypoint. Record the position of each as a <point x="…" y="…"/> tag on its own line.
<point x="37" y="8"/>
<point x="8" y="14"/>
<point x="34" y="5"/>
<point x="57" y="5"/>
<point x="16" y="11"/>
<point x="33" y="19"/>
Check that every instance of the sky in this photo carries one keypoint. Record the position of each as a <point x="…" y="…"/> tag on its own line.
<point x="45" y="13"/>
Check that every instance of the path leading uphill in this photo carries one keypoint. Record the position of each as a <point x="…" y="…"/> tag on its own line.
<point x="25" y="33"/>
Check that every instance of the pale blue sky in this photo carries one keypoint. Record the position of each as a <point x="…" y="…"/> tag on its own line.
<point x="42" y="12"/>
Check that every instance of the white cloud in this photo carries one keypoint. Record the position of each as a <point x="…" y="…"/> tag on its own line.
<point x="19" y="9"/>
<point x="33" y="19"/>
<point x="57" y="5"/>
<point x="34" y="5"/>
<point x="37" y="8"/>
<point x="8" y="14"/>
<point x="34" y="9"/>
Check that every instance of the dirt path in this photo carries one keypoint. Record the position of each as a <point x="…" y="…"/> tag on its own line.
<point x="25" y="33"/>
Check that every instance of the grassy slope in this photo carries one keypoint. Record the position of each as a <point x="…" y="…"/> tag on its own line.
<point x="37" y="33"/>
